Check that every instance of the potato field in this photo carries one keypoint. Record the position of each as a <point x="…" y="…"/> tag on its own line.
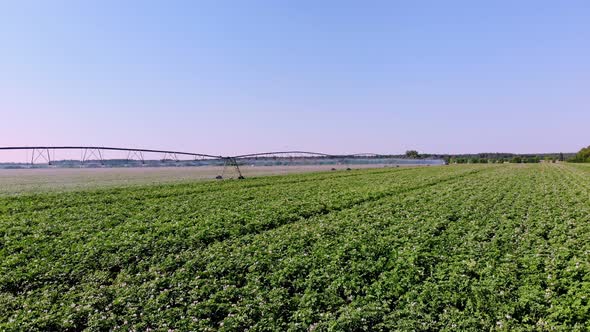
<point x="462" y="247"/>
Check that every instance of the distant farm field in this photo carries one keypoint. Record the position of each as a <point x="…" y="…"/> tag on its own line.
<point x="16" y="181"/>
<point x="472" y="247"/>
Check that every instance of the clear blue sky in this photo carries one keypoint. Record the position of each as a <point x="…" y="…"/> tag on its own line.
<point x="333" y="76"/>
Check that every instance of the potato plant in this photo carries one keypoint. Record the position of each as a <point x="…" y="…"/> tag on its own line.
<point x="467" y="247"/>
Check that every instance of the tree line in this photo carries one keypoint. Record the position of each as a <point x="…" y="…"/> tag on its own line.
<point x="493" y="157"/>
<point x="583" y="156"/>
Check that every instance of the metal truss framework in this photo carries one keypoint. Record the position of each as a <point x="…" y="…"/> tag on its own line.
<point x="230" y="162"/>
<point x="97" y="153"/>
<point x="306" y="154"/>
<point x="92" y="152"/>
<point x="37" y="153"/>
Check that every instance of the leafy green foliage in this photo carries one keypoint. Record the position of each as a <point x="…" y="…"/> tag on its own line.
<point x="583" y="156"/>
<point x="469" y="247"/>
<point x="412" y="154"/>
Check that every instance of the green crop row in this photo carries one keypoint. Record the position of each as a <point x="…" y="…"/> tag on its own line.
<point x="480" y="247"/>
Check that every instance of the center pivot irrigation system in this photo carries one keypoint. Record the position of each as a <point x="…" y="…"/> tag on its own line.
<point x="96" y="154"/>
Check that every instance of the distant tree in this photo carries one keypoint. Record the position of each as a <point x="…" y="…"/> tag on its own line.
<point x="583" y="156"/>
<point x="412" y="154"/>
<point x="516" y="160"/>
